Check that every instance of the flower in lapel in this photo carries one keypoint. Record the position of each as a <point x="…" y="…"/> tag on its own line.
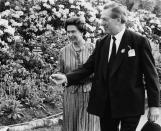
<point x="123" y="51"/>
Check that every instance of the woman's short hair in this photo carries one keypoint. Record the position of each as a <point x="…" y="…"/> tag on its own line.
<point x="78" y="22"/>
<point x="118" y="11"/>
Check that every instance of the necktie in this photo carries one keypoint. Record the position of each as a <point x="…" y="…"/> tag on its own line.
<point x="113" y="53"/>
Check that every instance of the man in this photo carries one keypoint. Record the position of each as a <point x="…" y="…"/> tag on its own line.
<point x="123" y="68"/>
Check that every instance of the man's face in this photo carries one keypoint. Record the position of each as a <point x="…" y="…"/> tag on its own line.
<point x="109" y="24"/>
<point x="73" y="33"/>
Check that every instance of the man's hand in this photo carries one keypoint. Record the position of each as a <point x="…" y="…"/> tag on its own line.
<point x="153" y="114"/>
<point x="58" y="79"/>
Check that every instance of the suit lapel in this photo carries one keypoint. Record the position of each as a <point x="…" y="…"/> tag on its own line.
<point x="120" y="53"/>
<point x="105" y="54"/>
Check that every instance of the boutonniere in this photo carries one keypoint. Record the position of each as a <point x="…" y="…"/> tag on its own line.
<point x="123" y="51"/>
<point x="131" y="52"/>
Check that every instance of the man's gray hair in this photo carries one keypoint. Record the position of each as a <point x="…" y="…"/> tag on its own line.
<point x="118" y="11"/>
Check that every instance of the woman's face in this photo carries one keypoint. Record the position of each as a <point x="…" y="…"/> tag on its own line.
<point x="74" y="34"/>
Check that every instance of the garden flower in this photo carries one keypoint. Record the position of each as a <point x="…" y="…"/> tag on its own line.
<point x="67" y="11"/>
<point x="44" y="1"/>
<point x="49" y="27"/>
<point x="71" y="14"/>
<point x="5" y="13"/>
<point x="47" y="5"/>
<point x="1" y="32"/>
<point x="44" y="12"/>
<point x="72" y="6"/>
<point x="54" y="10"/>
<point x="17" y="8"/>
<point x="91" y="19"/>
<point x="87" y="34"/>
<point x="4" y="22"/>
<point x="10" y="30"/>
<point x="61" y="6"/>
<point x="71" y="1"/>
<point x="77" y="7"/>
<point x="19" y="13"/>
<point x="16" y="15"/>
<point x="81" y="13"/>
<point x="155" y="21"/>
<point x="37" y="7"/>
<point x="7" y="3"/>
<point x="58" y="14"/>
<point x="52" y="2"/>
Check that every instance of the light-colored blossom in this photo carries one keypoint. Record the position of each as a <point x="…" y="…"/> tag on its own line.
<point x="155" y="21"/>
<point x="47" y="5"/>
<point x="91" y="19"/>
<point x="32" y="16"/>
<point x="17" y="37"/>
<point x="20" y="13"/>
<point x="37" y="7"/>
<point x="83" y="18"/>
<point x="1" y="32"/>
<point x="44" y="1"/>
<point x="49" y="27"/>
<point x="44" y="12"/>
<point x="14" y="23"/>
<point x="52" y="2"/>
<point x="66" y="11"/>
<point x="91" y="28"/>
<point x="58" y="14"/>
<point x="81" y="13"/>
<point x="16" y="15"/>
<point x="7" y="3"/>
<point x="72" y="6"/>
<point x="53" y="10"/>
<point x="71" y="14"/>
<point x="77" y="7"/>
<point x="61" y="6"/>
<point x="17" y="8"/>
<point x="71" y="1"/>
<point x="87" y="35"/>
<point x="49" y="18"/>
<point x="5" y="13"/>
<point x="10" y="30"/>
<point x="4" y="22"/>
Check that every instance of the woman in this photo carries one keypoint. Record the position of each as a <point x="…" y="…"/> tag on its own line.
<point x="76" y="97"/>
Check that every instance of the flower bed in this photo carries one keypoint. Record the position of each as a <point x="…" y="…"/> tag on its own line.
<point x="53" y="120"/>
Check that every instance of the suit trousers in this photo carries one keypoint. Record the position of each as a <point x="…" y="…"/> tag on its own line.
<point x="108" y="123"/>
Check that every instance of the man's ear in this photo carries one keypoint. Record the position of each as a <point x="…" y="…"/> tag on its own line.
<point x="118" y="20"/>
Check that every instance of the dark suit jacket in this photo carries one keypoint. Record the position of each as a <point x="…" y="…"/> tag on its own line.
<point x="125" y="83"/>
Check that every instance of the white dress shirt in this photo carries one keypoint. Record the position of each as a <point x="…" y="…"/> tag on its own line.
<point x="118" y="40"/>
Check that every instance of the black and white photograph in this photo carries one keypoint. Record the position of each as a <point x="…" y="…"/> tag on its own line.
<point x="80" y="65"/>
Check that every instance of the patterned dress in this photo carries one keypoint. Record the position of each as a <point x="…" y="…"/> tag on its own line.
<point x="76" y="98"/>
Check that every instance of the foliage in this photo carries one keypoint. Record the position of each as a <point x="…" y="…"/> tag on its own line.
<point x="148" y="5"/>
<point x="11" y="108"/>
<point x="147" y="24"/>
